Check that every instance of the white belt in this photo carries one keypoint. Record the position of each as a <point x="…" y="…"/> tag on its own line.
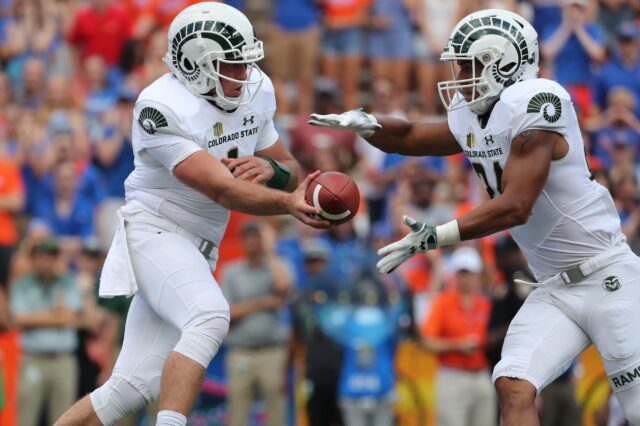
<point x="577" y="273"/>
<point x="208" y="248"/>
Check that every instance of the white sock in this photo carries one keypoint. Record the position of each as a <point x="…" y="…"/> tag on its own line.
<point x="171" y="418"/>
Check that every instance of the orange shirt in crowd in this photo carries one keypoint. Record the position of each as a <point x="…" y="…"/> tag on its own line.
<point x="345" y="13"/>
<point x="161" y="12"/>
<point x="448" y="319"/>
<point x="10" y="184"/>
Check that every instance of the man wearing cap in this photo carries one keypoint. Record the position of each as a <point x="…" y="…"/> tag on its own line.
<point x="45" y="306"/>
<point x="456" y="330"/>
<point x="256" y="288"/>
<point x="623" y="67"/>
<point x="323" y="361"/>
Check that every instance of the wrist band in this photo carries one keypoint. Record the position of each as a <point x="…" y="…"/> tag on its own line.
<point x="447" y="234"/>
<point x="281" y="175"/>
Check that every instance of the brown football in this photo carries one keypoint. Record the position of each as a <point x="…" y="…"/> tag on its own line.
<point x="336" y="194"/>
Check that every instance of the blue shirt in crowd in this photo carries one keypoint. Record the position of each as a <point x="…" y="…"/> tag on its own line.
<point x="296" y="15"/>
<point x="572" y="64"/>
<point x="614" y="73"/>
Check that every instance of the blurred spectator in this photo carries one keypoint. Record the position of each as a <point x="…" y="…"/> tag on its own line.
<point x="293" y="44"/>
<point x="611" y="413"/>
<point x="45" y="305"/>
<point x="67" y="210"/>
<point x="559" y="405"/>
<point x="31" y="91"/>
<point x="546" y="14"/>
<point x="323" y="360"/>
<point x="612" y="14"/>
<point x="365" y="319"/>
<point x="12" y="199"/>
<point x="307" y="140"/>
<point x="256" y="288"/>
<point x="384" y="101"/>
<point x="435" y="21"/>
<point x="572" y="47"/>
<point x="150" y="66"/>
<point x="100" y="94"/>
<point x="622" y="69"/>
<point x="507" y="297"/>
<point x="456" y="330"/>
<point x="343" y="45"/>
<point x="101" y="28"/>
<point x="390" y="43"/>
<point x="415" y="196"/>
<point x="30" y="33"/>
<point x="618" y="127"/>
<point x="112" y="152"/>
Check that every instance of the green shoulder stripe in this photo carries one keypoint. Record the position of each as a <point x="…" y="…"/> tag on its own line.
<point x="548" y="103"/>
<point x="151" y="120"/>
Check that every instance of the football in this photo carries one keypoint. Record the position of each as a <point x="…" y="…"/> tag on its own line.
<point x="336" y="194"/>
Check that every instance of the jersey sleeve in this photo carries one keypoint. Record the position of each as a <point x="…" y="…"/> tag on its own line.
<point x="543" y="107"/>
<point x="159" y="131"/>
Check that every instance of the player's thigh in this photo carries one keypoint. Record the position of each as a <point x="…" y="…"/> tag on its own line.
<point x="541" y="342"/>
<point x="174" y="278"/>
<point x="613" y="321"/>
<point x="148" y="341"/>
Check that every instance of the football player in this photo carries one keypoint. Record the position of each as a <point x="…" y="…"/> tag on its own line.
<point x="204" y="144"/>
<point x="521" y="135"/>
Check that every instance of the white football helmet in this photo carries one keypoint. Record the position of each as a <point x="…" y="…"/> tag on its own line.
<point x="504" y="43"/>
<point x="204" y="35"/>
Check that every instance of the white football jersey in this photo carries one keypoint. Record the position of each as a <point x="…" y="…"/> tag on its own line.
<point x="167" y="114"/>
<point x="574" y="217"/>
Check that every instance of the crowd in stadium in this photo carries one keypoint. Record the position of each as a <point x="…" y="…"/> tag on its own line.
<point x="70" y="73"/>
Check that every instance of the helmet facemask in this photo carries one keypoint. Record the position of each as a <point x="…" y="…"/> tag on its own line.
<point x="483" y="87"/>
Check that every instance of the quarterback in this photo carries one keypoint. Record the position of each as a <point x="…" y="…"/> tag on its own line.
<point x="204" y="144"/>
<point x="521" y="135"/>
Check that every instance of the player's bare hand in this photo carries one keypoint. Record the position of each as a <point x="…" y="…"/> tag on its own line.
<point x="301" y="210"/>
<point x="250" y="168"/>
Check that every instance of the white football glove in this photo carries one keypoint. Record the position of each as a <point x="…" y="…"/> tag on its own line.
<point x="421" y="239"/>
<point x="355" y="120"/>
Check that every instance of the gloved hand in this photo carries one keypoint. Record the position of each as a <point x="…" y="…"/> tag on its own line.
<point x="355" y="120"/>
<point x="421" y="239"/>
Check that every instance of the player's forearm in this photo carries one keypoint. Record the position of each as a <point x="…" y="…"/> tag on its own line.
<point x="249" y="198"/>
<point x="494" y="216"/>
<point x="412" y="138"/>
<point x="294" y="169"/>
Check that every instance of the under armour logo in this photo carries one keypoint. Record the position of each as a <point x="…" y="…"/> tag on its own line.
<point x="489" y="140"/>
<point x="248" y="119"/>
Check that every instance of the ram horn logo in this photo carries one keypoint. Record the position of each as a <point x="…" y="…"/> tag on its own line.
<point x="151" y="120"/>
<point x="548" y="103"/>
<point x="611" y="283"/>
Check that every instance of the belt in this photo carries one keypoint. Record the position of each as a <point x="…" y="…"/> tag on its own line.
<point x="577" y="273"/>
<point x="208" y="248"/>
<point x="258" y="346"/>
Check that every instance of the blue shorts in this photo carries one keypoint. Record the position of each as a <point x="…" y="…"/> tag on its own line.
<point x="343" y="42"/>
<point x="392" y="43"/>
